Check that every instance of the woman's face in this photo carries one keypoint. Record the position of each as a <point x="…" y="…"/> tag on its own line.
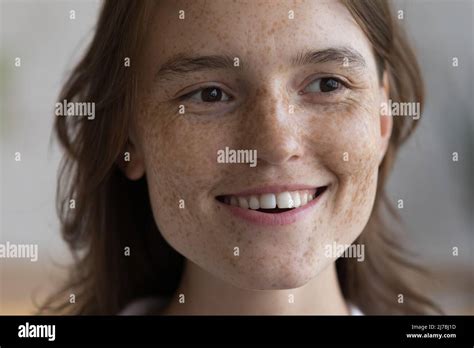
<point x="303" y="92"/>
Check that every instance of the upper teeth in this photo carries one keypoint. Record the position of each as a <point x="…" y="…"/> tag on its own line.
<point x="281" y="200"/>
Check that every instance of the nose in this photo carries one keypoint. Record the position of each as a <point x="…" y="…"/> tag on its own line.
<point x="272" y="129"/>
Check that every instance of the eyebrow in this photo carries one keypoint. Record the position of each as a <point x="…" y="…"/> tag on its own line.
<point x="341" y="55"/>
<point x="182" y="64"/>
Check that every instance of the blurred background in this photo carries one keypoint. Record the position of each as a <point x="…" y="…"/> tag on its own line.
<point x="438" y="193"/>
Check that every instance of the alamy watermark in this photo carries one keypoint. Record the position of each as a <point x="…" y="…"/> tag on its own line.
<point x="237" y="156"/>
<point x="28" y="330"/>
<point x="336" y="250"/>
<point x="407" y="109"/>
<point x="84" y="109"/>
<point x="21" y="251"/>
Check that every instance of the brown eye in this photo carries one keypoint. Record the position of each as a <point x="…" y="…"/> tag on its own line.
<point x="209" y="95"/>
<point x="324" y="85"/>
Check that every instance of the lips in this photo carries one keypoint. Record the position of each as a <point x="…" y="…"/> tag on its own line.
<point x="272" y="205"/>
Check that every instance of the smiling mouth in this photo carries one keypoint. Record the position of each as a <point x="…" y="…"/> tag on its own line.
<point x="273" y="203"/>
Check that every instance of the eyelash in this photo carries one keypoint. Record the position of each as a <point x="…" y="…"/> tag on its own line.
<point x="342" y="85"/>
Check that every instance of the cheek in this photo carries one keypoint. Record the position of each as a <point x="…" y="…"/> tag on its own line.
<point x="180" y="160"/>
<point x="349" y="148"/>
<point x="179" y="156"/>
<point x="347" y="139"/>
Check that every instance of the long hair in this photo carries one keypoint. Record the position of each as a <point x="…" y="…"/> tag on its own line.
<point x="112" y="214"/>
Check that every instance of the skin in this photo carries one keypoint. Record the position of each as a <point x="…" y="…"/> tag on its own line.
<point x="177" y="153"/>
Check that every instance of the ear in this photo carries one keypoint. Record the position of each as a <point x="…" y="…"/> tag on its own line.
<point x="131" y="160"/>
<point x="386" y="119"/>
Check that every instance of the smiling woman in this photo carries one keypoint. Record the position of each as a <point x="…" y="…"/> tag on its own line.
<point x="305" y="95"/>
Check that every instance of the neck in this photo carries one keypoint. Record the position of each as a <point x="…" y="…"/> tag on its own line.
<point x="207" y="295"/>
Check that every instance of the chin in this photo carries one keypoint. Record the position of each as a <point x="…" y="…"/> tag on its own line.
<point x="273" y="278"/>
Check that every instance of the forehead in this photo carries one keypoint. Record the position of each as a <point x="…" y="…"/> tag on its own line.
<point x="254" y="30"/>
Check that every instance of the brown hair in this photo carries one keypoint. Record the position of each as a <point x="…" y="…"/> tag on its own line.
<point x="113" y="213"/>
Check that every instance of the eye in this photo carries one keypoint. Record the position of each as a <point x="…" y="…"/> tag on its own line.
<point x="324" y="85"/>
<point x="208" y="95"/>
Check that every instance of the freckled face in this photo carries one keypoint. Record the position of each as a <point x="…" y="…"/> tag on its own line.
<point x="331" y="138"/>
